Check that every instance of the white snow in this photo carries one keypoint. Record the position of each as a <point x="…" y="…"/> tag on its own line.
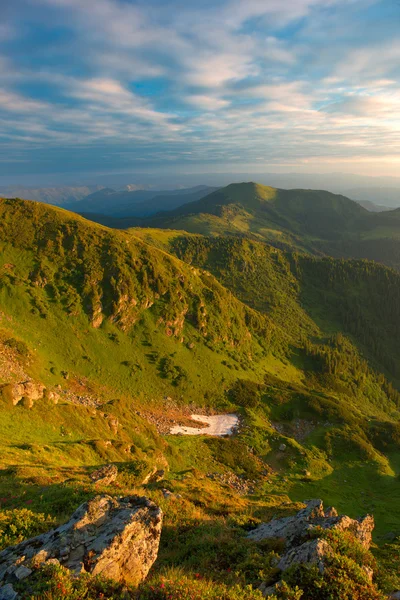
<point x="218" y="425"/>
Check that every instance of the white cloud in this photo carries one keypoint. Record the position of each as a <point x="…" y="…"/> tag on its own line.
<point x="207" y="103"/>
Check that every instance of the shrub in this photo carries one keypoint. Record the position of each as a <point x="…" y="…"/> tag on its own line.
<point x="235" y="455"/>
<point x="246" y="393"/>
<point x="19" y="524"/>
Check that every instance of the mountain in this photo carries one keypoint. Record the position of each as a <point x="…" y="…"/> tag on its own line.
<point x="317" y="222"/>
<point x="382" y="195"/>
<point x="372" y="207"/>
<point x="139" y="203"/>
<point x="131" y="331"/>
<point x="59" y="196"/>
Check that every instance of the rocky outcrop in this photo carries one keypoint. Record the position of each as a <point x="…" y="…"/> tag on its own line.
<point x="26" y="393"/>
<point x="116" y="538"/>
<point x="295" y="532"/>
<point x="294" y="529"/>
<point x="27" y="390"/>
<point x="312" y="552"/>
<point x="105" y="475"/>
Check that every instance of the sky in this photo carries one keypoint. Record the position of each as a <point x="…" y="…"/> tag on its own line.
<point x="164" y="86"/>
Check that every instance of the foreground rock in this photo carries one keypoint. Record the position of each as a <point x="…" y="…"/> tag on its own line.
<point x="116" y="538"/>
<point x="295" y="532"/>
<point x="294" y="529"/>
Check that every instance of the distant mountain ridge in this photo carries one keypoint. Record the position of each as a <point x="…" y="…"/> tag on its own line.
<point x="57" y="195"/>
<point x="313" y="221"/>
<point x="140" y="203"/>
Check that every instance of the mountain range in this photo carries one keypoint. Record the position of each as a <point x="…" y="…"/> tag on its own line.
<point x="141" y="203"/>
<point x="247" y="299"/>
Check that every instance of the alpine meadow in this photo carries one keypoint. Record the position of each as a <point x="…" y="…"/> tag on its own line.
<point x="199" y="300"/>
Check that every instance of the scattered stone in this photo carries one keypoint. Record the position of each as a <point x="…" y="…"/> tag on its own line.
<point x="154" y="476"/>
<point x="393" y="596"/>
<point x="282" y="447"/>
<point x="54" y="397"/>
<point x="114" y="424"/>
<point x="105" y="475"/>
<point x="239" y="484"/>
<point x="116" y="538"/>
<point x="7" y="592"/>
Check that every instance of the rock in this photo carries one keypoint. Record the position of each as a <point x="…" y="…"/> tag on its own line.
<point x="293" y="529"/>
<point x="22" y="573"/>
<point x="114" y="424"/>
<point x="154" y="476"/>
<point x="393" y="596"/>
<point x="7" y="592"/>
<point x="295" y="532"/>
<point x="26" y="389"/>
<point x="369" y="572"/>
<point x="105" y="475"/>
<point x="54" y="397"/>
<point x="282" y="447"/>
<point x="116" y="538"/>
<point x="266" y="591"/>
<point x="312" y="553"/>
<point x="289" y="528"/>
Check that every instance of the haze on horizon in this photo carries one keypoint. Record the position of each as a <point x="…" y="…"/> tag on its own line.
<point x="308" y="86"/>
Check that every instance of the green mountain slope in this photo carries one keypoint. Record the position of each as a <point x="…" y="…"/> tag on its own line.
<point x="136" y="329"/>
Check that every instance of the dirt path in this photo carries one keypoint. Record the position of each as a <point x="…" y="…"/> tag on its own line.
<point x="218" y="425"/>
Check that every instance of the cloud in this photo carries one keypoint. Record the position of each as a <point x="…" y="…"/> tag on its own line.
<point x="207" y="103"/>
<point x="185" y="82"/>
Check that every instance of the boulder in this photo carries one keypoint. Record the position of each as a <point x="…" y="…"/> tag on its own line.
<point x="27" y="389"/>
<point x="105" y="475"/>
<point x="293" y="529"/>
<point x="296" y="530"/>
<point x="117" y="538"/>
<point x="289" y="528"/>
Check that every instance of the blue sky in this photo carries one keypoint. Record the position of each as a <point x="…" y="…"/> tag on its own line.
<point x="96" y="86"/>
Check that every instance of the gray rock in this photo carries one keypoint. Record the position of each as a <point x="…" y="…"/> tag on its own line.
<point x="293" y="529"/>
<point x="116" y="538"/>
<point x="289" y="528"/>
<point x="312" y="553"/>
<point x="105" y="475"/>
<point x="282" y="447"/>
<point x="267" y="591"/>
<point x="7" y="592"/>
<point x="296" y="530"/>
<point x="22" y="572"/>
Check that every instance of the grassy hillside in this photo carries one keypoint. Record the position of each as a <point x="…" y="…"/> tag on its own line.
<point x="135" y="329"/>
